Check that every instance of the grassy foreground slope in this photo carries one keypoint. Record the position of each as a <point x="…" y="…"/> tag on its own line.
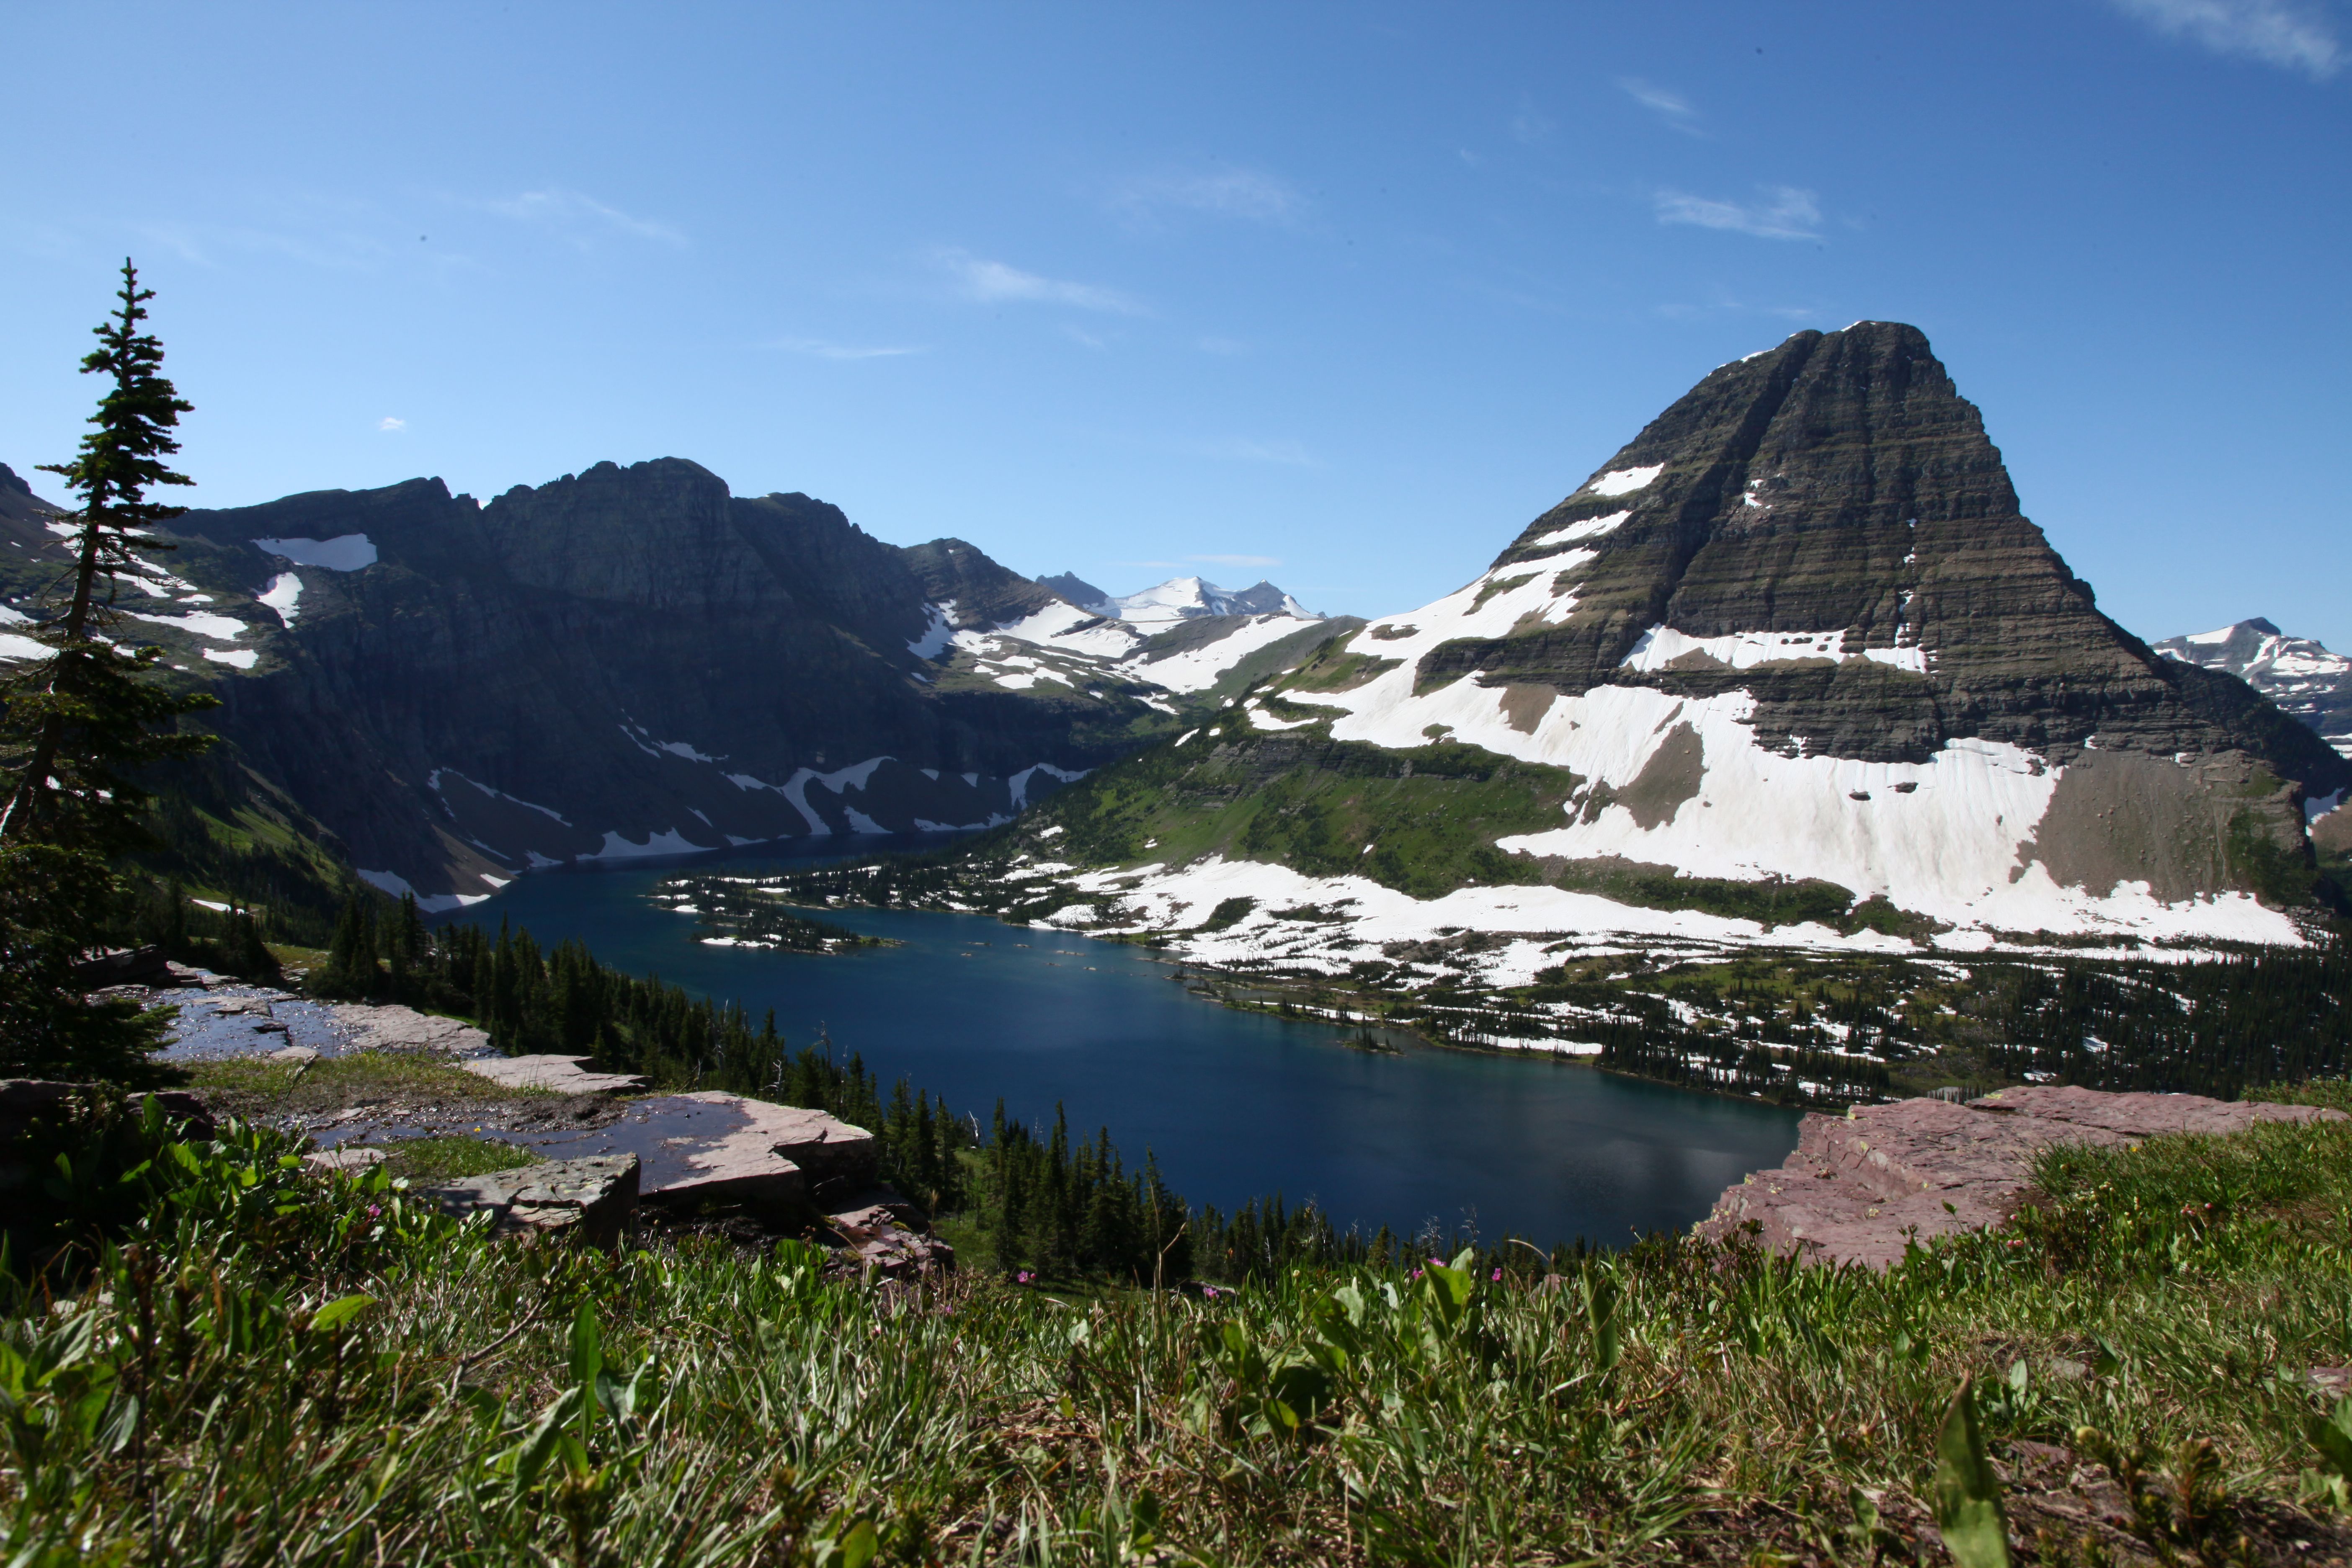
<point x="272" y="1369"/>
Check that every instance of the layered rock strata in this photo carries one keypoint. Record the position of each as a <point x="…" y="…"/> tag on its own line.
<point x="1798" y="633"/>
<point x="1860" y="1187"/>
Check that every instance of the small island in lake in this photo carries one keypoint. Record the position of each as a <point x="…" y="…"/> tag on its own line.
<point x="742" y="911"/>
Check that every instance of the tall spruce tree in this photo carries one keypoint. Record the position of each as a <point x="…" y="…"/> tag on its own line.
<point x="78" y="728"/>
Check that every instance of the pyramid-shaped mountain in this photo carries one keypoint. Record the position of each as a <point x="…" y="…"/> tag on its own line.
<point x="1793" y="664"/>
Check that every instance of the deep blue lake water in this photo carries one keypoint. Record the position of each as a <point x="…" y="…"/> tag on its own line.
<point x="1235" y="1105"/>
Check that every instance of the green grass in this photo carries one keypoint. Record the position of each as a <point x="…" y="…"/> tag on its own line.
<point x="451" y="1157"/>
<point x="258" y="1089"/>
<point x="1670" y="1402"/>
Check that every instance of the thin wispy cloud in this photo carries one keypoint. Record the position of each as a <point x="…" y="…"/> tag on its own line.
<point x="388" y="423"/>
<point x="1528" y="123"/>
<point x="2275" y="32"/>
<point x="987" y="282"/>
<point x="1249" y="195"/>
<point x="1784" y="212"/>
<point x="215" y="244"/>
<point x="817" y="348"/>
<point x="579" y="217"/>
<point x="1670" y="107"/>
<point x="1245" y="449"/>
<point x="1235" y="560"/>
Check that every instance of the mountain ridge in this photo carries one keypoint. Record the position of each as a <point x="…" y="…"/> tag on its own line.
<point x="1798" y="634"/>
<point x="624" y="661"/>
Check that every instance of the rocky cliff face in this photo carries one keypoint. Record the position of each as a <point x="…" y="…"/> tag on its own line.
<point x="625" y="661"/>
<point x="1796" y="635"/>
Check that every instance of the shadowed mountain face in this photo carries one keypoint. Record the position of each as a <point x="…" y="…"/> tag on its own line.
<point x="1796" y="635"/>
<point x="627" y="660"/>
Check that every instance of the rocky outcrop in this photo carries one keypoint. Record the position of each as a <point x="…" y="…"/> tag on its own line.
<point x="1860" y="1187"/>
<point x="556" y="1074"/>
<point x="720" y="1148"/>
<point x="883" y="1235"/>
<point x="592" y="1200"/>
<point x="1797" y="633"/>
<point x="624" y="661"/>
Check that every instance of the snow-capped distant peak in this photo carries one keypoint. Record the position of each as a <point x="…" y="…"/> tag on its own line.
<point x="2298" y="674"/>
<point x="1187" y="598"/>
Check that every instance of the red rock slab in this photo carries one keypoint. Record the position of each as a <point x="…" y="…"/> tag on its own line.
<point x="1861" y="1186"/>
<point x="1826" y="1219"/>
<point x="1933" y="1146"/>
<point x="2138" y="1115"/>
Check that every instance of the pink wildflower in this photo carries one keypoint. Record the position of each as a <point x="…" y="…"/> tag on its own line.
<point x="1499" y="1278"/>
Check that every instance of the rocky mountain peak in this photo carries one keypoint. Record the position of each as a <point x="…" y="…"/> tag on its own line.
<point x="1078" y="592"/>
<point x="1796" y="634"/>
<point x="2300" y="675"/>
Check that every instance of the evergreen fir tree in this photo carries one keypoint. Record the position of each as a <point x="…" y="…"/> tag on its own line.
<point x="79" y="727"/>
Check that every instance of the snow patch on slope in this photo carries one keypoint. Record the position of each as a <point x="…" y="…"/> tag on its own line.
<point x="1591" y="527"/>
<point x="394" y="883"/>
<point x="937" y="635"/>
<point x="619" y="848"/>
<point x="196" y="623"/>
<point x="1662" y="645"/>
<point x="284" y="592"/>
<point x="1197" y="668"/>
<point x="1624" y="481"/>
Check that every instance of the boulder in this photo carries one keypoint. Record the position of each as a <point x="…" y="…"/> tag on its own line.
<point x="731" y="1150"/>
<point x="1860" y="1187"/>
<point x="355" y="1157"/>
<point x="880" y="1241"/>
<point x="592" y="1198"/>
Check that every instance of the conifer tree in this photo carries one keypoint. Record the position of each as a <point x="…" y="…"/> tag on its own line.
<point x="78" y="728"/>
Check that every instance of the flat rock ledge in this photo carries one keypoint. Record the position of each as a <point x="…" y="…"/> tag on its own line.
<point x="563" y="1075"/>
<point x="768" y="1156"/>
<point x="1859" y="1186"/>
<point x="591" y="1199"/>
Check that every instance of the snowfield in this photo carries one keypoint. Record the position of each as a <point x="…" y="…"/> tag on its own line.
<point x="1951" y="838"/>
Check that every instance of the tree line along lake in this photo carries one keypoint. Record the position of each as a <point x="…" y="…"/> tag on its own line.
<point x="1234" y="1105"/>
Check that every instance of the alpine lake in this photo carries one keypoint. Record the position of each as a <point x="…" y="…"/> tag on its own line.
<point x="1235" y="1105"/>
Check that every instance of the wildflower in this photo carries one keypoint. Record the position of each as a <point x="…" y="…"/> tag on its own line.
<point x="1497" y="1279"/>
<point x="1023" y="1278"/>
<point x="1210" y="1291"/>
<point x="373" y="1211"/>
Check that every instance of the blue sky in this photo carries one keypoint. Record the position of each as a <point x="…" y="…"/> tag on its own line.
<point x="1340" y="295"/>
